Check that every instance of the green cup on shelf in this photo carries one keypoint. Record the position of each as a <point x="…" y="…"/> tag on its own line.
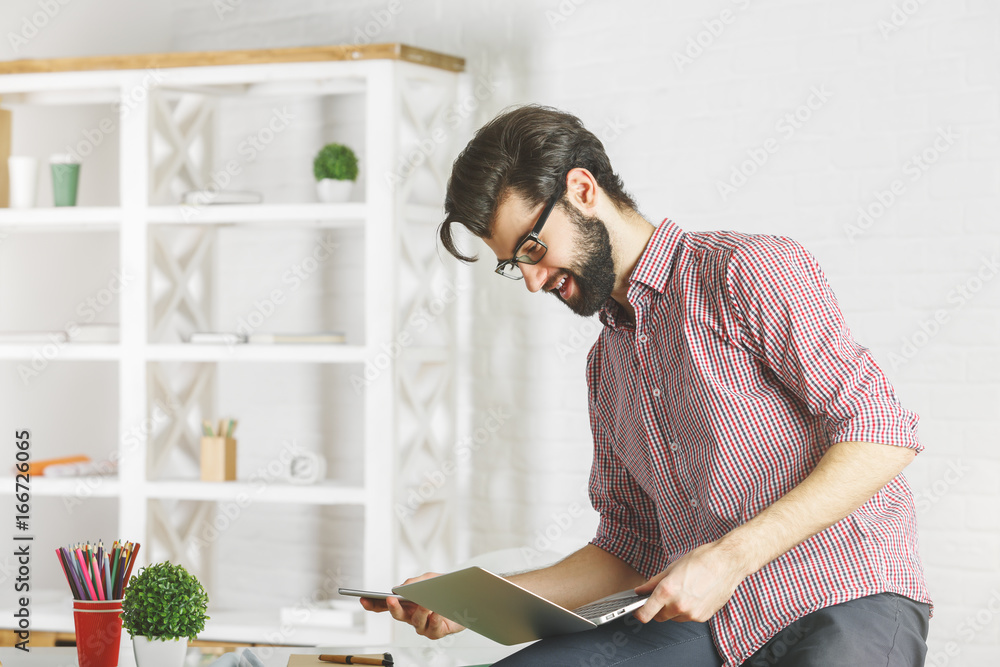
<point x="65" y="179"/>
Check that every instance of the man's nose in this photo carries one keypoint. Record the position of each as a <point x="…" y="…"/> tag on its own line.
<point x="534" y="276"/>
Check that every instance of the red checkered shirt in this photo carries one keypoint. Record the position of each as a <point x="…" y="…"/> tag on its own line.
<point x="738" y="373"/>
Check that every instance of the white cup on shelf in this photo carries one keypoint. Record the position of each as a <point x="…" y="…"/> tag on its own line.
<point x="23" y="171"/>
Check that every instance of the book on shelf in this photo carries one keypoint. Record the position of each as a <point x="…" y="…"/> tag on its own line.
<point x="217" y="338"/>
<point x="319" y="338"/>
<point x="80" y="333"/>
<point x="212" y="197"/>
<point x="57" y="337"/>
<point x="82" y="469"/>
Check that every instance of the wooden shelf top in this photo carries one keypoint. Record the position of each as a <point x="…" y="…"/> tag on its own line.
<point x="241" y="57"/>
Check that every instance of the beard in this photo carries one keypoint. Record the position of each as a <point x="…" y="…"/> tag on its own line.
<point x="593" y="268"/>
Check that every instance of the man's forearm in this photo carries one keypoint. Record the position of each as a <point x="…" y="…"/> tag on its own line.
<point x="584" y="576"/>
<point x="847" y="476"/>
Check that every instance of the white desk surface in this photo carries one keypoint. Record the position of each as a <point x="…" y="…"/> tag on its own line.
<point x="274" y="656"/>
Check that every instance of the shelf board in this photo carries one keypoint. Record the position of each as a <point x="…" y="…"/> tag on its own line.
<point x="61" y="218"/>
<point x="351" y="214"/>
<point x="97" y="487"/>
<point x="52" y="611"/>
<point x="305" y="353"/>
<point x="65" y="351"/>
<point x="330" y="354"/>
<point x="251" y="626"/>
<point x="325" y="53"/>
<point x="329" y="493"/>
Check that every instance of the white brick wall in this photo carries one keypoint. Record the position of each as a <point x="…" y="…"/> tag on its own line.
<point x="682" y="131"/>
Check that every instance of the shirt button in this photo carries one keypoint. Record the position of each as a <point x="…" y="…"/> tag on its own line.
<point x="694" y="502"/>
<point x="642" y="338"/>
<point x="673" y="446"/>
<point x="656" y="391"/>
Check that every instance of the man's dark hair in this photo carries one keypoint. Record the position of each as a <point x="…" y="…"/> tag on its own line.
<point x="526" y="150"/>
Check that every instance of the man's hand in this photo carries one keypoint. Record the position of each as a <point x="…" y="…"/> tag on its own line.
<point x="423" y="620"/>
<point x="693" y="588"/>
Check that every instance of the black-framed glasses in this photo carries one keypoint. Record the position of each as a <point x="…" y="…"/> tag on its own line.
<point x="531" y="249"/>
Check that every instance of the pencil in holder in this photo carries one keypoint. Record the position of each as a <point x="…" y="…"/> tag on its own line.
<point x="218" y="459"/>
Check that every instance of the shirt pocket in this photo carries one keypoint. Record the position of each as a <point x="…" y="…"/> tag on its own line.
<point x="630" y="442"/>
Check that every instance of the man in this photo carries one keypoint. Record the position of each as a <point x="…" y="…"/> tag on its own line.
<point x="747" y="451"/>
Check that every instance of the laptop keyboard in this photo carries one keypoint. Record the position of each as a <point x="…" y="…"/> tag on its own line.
<point x="602" y="607"/>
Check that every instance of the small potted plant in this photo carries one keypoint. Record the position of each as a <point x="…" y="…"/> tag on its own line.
<point x="335" y="168"/>
<point x="162" y="608"/>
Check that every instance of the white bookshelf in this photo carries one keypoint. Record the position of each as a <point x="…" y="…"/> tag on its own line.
<point x="403" y="93"/>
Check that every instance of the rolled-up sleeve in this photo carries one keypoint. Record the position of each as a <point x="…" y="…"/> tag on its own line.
<point x="789" y="318"/>
<point x="628" y="525"/>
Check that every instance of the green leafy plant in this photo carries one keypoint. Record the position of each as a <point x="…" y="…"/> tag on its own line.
<point x="335" y="161"/>
<point x="164" y="601"/>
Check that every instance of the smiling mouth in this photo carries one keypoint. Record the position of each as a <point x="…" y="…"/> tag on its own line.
<point x="561" y="288"/>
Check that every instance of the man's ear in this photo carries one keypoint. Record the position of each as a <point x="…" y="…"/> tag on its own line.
<point x="581" y="188"/>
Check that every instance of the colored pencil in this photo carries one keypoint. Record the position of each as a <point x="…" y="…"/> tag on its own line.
<point x="121" y="572"/>
<point x="95" y="573"/>
<point x="107" y="577"/>
<point x="75" y="570"/>
<point x="69" y="579"/>
<point x="131" y="562"/>
<point x="97" y="577"/>
<point x="114" y="571"/>
<point x="86" y="579"/>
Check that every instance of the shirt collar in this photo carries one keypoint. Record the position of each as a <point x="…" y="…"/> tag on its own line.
<point x="652" y="270"/>
<point x="657" y="259"/>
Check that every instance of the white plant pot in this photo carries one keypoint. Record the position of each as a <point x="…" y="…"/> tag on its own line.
<point x="153" y="652"/>
<point x="332" y="191"/>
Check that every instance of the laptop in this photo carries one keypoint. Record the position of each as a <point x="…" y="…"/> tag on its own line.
<point x="506" y="613"/>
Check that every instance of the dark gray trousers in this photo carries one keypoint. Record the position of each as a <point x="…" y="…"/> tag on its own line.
<point x="885" y="629"/>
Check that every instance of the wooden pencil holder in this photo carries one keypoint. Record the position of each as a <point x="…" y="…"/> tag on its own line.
<point x="218" y="459"/>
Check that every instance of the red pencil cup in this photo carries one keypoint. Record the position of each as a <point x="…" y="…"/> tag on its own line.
<point x="98" y="632"/>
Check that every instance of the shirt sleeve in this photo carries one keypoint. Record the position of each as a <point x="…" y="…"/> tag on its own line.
<point x="628" y="526"/>
<point x="788" y="317"/>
